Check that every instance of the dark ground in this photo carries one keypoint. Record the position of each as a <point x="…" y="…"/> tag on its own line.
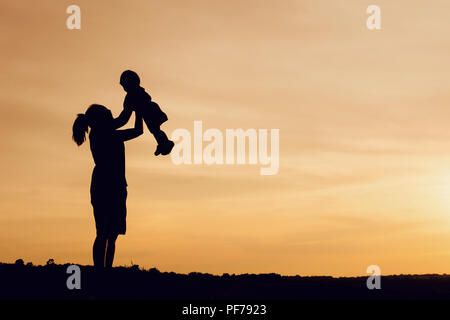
<point x="49" y="282"/>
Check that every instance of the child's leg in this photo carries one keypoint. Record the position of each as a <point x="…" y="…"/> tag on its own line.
<point x="159" y="135"/>
<point x="164" y="144"/>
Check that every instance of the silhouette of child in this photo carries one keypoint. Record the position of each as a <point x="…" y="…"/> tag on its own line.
<point x="139" y="100"/>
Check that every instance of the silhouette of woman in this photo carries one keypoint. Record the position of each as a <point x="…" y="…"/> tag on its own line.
<point x="108" y="184"/>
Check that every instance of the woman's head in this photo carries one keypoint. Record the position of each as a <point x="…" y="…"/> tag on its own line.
<point x="96" y="116"/>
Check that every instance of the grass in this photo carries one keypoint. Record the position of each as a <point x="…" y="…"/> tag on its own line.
<point x="26" y="281"/>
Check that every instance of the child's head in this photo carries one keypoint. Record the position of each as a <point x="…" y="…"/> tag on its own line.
<point x="129" y="80"/>
<point x="96" y="116"/>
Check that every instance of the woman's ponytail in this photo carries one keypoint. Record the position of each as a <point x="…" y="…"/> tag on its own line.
<point x="79" y="129"/>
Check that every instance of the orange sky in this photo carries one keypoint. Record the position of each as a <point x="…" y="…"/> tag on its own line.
<point x="363" y="115"/>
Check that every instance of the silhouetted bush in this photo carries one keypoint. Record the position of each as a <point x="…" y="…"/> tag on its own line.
<point x="50" y="262"/>
<point x="153" y="271"/>
<point x="19" y="262"/>
<point x="135" y="267"/>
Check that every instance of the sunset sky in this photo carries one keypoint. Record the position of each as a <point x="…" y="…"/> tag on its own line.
<point x="364" y="120"/>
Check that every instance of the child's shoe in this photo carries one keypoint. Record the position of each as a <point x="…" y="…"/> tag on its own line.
<point x="164" y="149"/>
<point x="167" y="148"/>
<point x="158" y="150"/>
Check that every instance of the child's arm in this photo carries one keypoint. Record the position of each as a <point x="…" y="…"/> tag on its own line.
<point x="128" y="134"/>
<point x="123" y="117"/>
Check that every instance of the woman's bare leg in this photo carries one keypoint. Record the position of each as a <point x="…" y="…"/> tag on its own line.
<point x="110" y="250"/>
<point x="98" y="252"/>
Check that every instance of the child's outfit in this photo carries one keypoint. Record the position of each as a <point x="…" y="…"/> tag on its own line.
<point x="153" y="117"/>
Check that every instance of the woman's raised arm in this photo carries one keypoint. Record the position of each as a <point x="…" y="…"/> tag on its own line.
<point x="128" y="134"/>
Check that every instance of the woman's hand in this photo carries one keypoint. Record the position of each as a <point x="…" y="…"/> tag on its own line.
<point x="138" y="129"/>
